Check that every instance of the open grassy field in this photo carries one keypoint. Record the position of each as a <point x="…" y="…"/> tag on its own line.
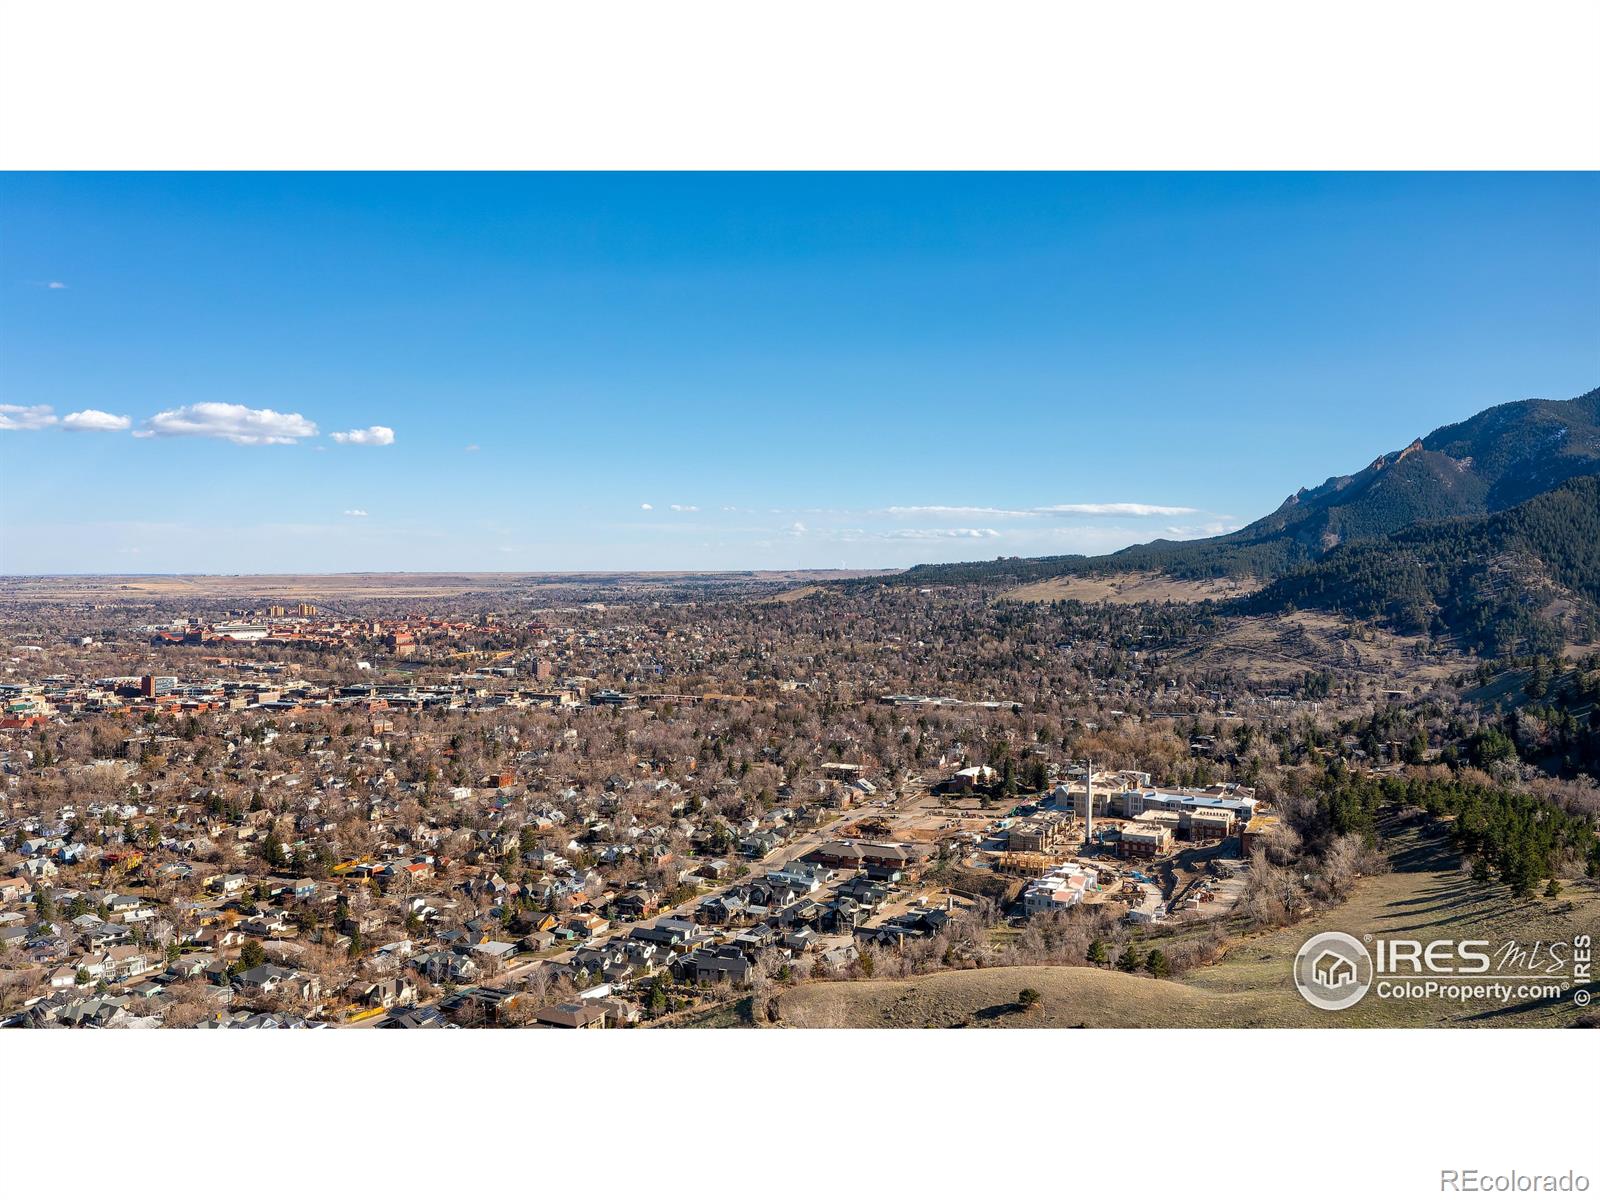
<point x="1132" y="588"/>
<point x="1283" y="647"/>
<point x="1425" y="896"/>
<point x="793" y="594"/>
<point x="1072" y="996"/>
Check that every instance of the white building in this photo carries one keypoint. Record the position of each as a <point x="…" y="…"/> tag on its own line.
<point x="1060" y="889"/>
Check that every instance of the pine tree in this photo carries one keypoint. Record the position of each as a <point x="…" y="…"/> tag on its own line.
<point x="272" y="850"/>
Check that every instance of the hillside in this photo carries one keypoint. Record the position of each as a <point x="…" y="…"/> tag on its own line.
<point x="1524" y="580"/>
<point x="986" y="998"/>
<point x="1493" y="461"/>
<point x="1425" y="892"/>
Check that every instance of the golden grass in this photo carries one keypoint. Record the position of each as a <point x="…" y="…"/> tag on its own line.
<point x="1132" y="588"/>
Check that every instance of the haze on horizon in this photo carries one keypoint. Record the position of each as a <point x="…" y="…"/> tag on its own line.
<point x="265" y="373"/>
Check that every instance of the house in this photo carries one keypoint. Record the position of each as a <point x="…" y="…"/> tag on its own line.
<point x="760" y="843"/>
<point x="755" y="939"/>
<point x="1060" y="889"/>
<point x="97" y="935"/>
<point x="587" y="925"/>
<point x="92" y="1012"/>
<point x="596" y="960"/>
<point x="446" y="966"/>
<point x="710" y="965"/>
<point x="918" y="923"/>
<point x="801" y="940"/>
<point x="492" y="956"/>
<point x="972" y="777"/>
<point x="125" y="962"/>
<point x="271" y="977"/>
<point x="393" y="873"/>
<point x="218" y="937"/>
<point x="720" y="910"/>
<point x="868" y="893"/>
<point x="267" y="923"/>
<point x="800" y="913"/>
<point x="385" y="993"/>
<point x="838" y="959"/>
<point x="670" y="931"/>
<point x="842" y="915"/>
<point x="427" y="1017"/>
<point x="804" y="877"/>
<point x="619" y="1012"/>
<point x="187" y="966"/>
<point x="636" y="904"/>
<point x="572" y="1016"/>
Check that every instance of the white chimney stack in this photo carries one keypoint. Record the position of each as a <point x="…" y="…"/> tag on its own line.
<point x="1088" y="804"/>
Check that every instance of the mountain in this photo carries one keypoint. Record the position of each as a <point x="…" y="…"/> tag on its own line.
<point x="1488" y="463"/>
<point x="1523" y="580"/>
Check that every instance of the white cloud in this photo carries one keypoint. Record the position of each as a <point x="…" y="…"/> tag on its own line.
<point x="955" y="510"/>
<point x="33" y="416"/>
<point x="355" y="512"/>
<point x="1119" y="510"/>
<point x="373" y="435"/>
<point x="1044" y="510"/>
<point x="797" y="528"/>
<point x="55" y="285"/>
<point x="93" y="420"/>
<point x="647" y="507"/>
<point x="685" y="508"/>
<point x="474" y="448"/>
<point x="910" y="535"/>
<point x="231" y="422"/>
<point x="941" y="534"/>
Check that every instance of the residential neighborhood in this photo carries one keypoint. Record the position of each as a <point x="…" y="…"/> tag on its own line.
<point x="575" y="817"/>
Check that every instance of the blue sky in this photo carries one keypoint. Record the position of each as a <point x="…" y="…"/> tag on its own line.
<point x="662" y="371"/>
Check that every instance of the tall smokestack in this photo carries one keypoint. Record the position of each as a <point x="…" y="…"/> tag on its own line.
<point x="1088" y="803"/>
